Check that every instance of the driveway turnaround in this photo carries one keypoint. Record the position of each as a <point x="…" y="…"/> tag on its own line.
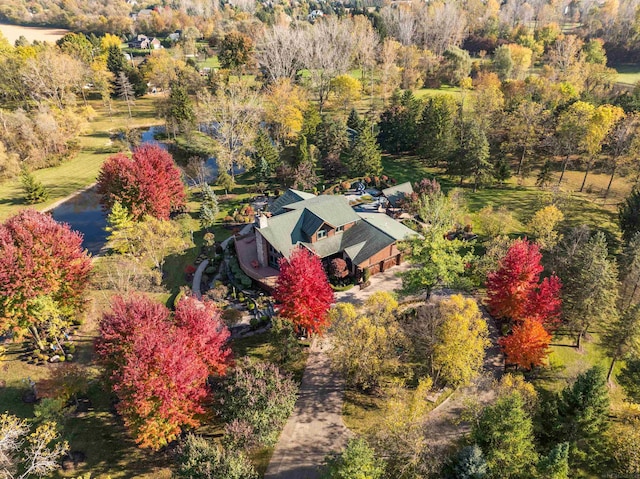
<point x="315" y="428"/>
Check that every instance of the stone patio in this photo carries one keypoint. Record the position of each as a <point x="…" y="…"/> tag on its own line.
<point x="248" y="260"/>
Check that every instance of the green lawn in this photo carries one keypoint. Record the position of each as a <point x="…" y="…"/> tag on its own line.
<point x="628" y="74"/>
<point x="211" y="62"/>
<point x="523" y="201"/>
<point x="444" y="89"/>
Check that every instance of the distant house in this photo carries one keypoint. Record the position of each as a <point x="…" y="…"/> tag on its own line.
<point x="315" y="14"/>
<point x="327" y="226"/>
<point x="144" y="42"/>
<point x="174" y="37"/>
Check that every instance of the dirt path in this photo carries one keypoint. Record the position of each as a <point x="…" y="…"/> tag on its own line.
<point x="315" y="428"/>
<point x="440" y="426"/>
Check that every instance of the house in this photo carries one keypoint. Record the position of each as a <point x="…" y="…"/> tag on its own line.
<point x="327" y="226"/>
<point x="143" y="42"/>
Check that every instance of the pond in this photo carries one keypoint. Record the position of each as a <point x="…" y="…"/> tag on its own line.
<point x="84" y="213"/>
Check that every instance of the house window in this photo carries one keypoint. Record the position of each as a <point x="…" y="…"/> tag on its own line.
<point x="274" y="256"/>
<point x="322" y="234"/>
<point x="339" y="229"/>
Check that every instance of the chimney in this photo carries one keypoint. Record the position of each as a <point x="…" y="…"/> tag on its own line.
<point x="261" y="221"/>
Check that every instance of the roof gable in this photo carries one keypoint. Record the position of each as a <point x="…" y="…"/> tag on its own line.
<point x="333" y="210"/>
<point x="398" y="192"/>
<point x="289" y="196"/>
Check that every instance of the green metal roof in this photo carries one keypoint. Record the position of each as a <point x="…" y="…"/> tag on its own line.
<point x="391" y="227"/>
<point x="398" y="192"/>
<point x="284" y="231"/>
<point x="289" y="196"/>
<point x="311" y="223"/>
<point x="371" y="232"/>
<point x="331" y="209"/>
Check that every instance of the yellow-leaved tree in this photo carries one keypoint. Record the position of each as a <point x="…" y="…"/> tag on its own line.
<point x="543" y="227"/>
<point x="365" y="344"/>
<point x="462" y="338"/>
<point x="345" y="90"/>
<point x="285" y="104"/>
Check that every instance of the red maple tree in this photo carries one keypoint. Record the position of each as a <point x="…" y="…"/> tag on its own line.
<point x="528" y="344"/>
<point x="509" y="288"/>
<point x="545" y="304"/>
<point x="148" y="183"/>
<point x="206" y="332"/>
<point x="303" y="292"/>
<point x="157" y="367"/>
<point x="39" y="259"/>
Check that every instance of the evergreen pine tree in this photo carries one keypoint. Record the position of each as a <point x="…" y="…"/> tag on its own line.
<point x="544" y="176"/>
<point x="354" y="121"/>
<point x="210" y="199"/>
<point x="302" y="151"/>
<point x="262" y="169"/>
<point x="629" y="215"/>
<point x="115" y="60"/>
<point x="207" y="217"/>
<point x="470" y="463"/>
<point x="399" y="124"/>
<point x="120" y="226"/>
<point x="583" y="412"/>
<point x="502" y="170"/>
<point x="556" y="464"/>
<point x="504" y="432"/>
<point x="589" y="288"/>
<point x="310" y="121"/>
<point x="266" y="155"/>
<point x="437" y="135"/>
<point x="34" y="190"/>
<point x="180" y="115"/>
<point x="364" y="157"/>
<point x="472" y="157"/>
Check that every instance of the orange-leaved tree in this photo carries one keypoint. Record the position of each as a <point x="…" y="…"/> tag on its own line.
<point x="528" y="344"/>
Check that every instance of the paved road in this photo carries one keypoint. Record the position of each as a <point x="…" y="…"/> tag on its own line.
<point x="315" y="428"/>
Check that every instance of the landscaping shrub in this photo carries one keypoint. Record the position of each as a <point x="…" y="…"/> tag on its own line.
<point x="259" y="398"/>
<point x="231" y="316"/>
<point x="199" y="459"/>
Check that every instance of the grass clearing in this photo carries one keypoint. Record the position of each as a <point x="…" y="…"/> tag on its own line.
<point x="524" y="200"/>
<point x="444" y="89"/>
<point x="41" y="34"/>
<point x="628" y="75"/>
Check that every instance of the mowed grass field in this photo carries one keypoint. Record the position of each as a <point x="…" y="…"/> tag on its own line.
<point x="81" y="170"/>
<point x="628" y="75"/>
<point x="588" y="207"/>
<point x="42" y="34"/>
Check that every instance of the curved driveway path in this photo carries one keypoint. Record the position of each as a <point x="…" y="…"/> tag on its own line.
<point x="315" y="428"/>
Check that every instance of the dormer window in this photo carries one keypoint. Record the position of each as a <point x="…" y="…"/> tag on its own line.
<point x="322" y="234"/>
<point x="339" y="229"/>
